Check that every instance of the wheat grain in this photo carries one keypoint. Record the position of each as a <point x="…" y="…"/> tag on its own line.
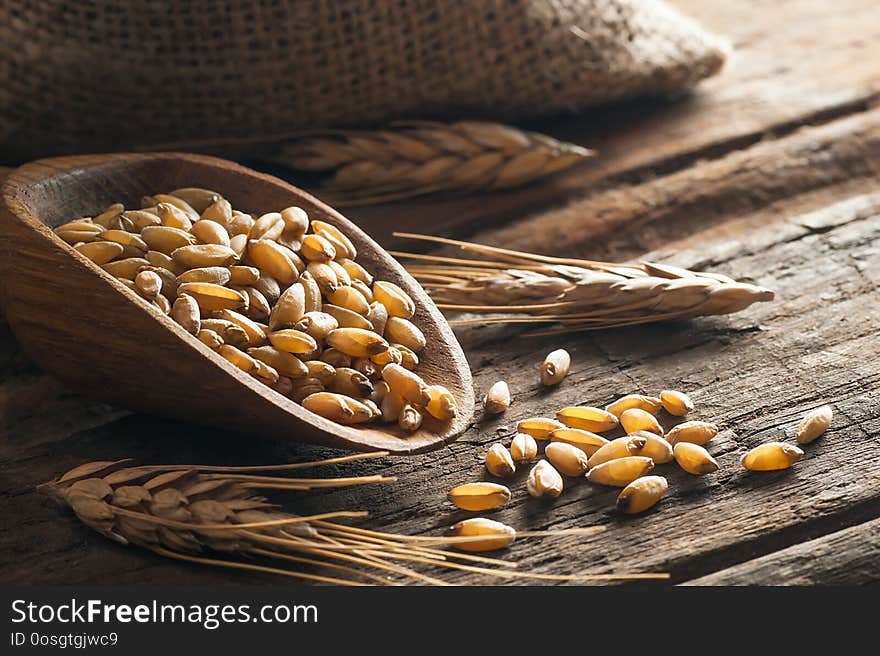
<point x="414" y="158"/>
<point x="518" y="287"/>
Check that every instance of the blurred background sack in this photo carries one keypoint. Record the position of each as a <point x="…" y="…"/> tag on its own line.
<point x="113" y="75"/>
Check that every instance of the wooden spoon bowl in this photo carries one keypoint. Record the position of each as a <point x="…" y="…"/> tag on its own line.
<point x="93" y="333"/>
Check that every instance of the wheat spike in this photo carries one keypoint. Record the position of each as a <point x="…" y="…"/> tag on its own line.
<point x="520" y="287"/>
<point x="413" y="158"/>
<point x="214" y="516"/>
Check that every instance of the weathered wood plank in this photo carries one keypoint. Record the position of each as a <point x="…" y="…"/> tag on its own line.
<point x="847" y="557"/>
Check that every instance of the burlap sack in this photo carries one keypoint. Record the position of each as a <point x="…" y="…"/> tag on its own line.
<point x="117" y="74"/>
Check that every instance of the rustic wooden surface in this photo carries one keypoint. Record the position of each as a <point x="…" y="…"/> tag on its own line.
<point x="770" y="173"/>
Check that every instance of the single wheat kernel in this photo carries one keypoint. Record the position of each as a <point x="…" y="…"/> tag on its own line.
<point x="656" y="448"/>
<point x="404" y="332"/>
<point x="304" y="387"/>
<point x="350" y="299"/>
<point x="239" y="358"/>
<point x="635" y="419"/>
<point x="204" y="255"/>
<point x="647" y="403"/>
<point x="338" y="408"/>
<point x="100" y="252"/>
<point x="378" y="317"/>
<point x="107" y="217"/>
<point x="587" y="418"/>
<point x="209" y="338"/>
<point x="396" y="301"/>
<point x="284" y="363"/>
<point x="356" y="342"/>
<point x="240" y="224"/>
<point x="185" y="311"/>
<point x="568" y="459"/>
<point x="498" y="535"/>
<point x="268" y="226"/>
<point x="499" y="462"/>
<point x="335" y="358"/>
<point x="228" y="331"/>
<point x="407" y="384"/>
<point x="325" y="276"/>
<point x="258" y="306"/>
<point x="497" y="399"/>
<point x="356" y="271"/>
<point x="365" y="290"/>
<point x="555" y="367"/>
<point x="239" y="243"/>
<point x="148" y="283"/>
<point x="173" y="217"/>
<point x="211" y="232"/>
<point x="242" y="275"/>
<point x="771" y="456"/>
<point x="312" y="292"/>
<point x="678" y="404"/>
<point x="197" y="198"/>
<point x="391" y="356"/>
<point x="132" y="244"/>
<point x="127" y="268"/>
<point x="315" y="248"/>
<point x="163" y="261"/>
<point x="213" y="297"/>
<point x="696" y="432"/>
<point x="620" y="472"/>
<point x="293" y="341"/>
<point x="410" y="419"/>
<point x="367" y="367"/>
<point x="255" y="334"/>
<point x="290" y="307"/>
<point x="296" y="221"/>
<point x="351" y="383"/>
<point x="814" y="424"/>
<point x="694" y="459"/>
<point x="217" y="275"/>
<point x="322" y="371"/>
<point x="346" y="318"/>
<point x="270" y="288"/>
<point x="442" y="404"/>
<point x="408" y="358"/>
<point x="477" y="497"/>
<point x="219" y="211"/>
<point x="140" y="219"/>
<point x="544" y="481"/>
<point x="166" y="240"/>
<point x="344" y="247"/>
<point x="586" y="441"/>
<point x="275" y="261"/>
<point x="539" y="427"/>
<point x="179" y="204"/>
<point x="523" y="448"/>
<point x="622" y="447"/>
<point x="641" y="494"/>
<point x="265" y="373"/>
<point x="391" y="405"/>
<point x="161" y="303"/>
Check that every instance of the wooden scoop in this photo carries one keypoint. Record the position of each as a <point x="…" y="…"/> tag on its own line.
<point x="85" y="327"/>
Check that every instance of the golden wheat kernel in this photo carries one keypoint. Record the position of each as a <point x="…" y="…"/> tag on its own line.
<point x="80" y="230"/>
<point x="350" y="299"/>
<point x="586" y="441"/>
<point x="163" y="261"/>
<point x="622" y="447"/>
<point x="244" y="276"/>
<point x="320" y="370"/>
<point x="771" y="457"/>
<point x="211" y="232"/>
<point x="356" y="342"/>
<point x="365" y="291"/>
<point x="378" y="317"/>
<point x="239" y="244"/>
<point x="317" y="249"/>
<point x="289" y="309"/>
<point x="656" y="448"/>
<point x="391" y="405"/>
<point x="538" y="427"/>
<point x="204" y="255"/>
<point x="408" y="359"/>
<point x="207" y="337"/>
<point x="335" y="358"/>
<point x="351" y="382"/>
<point x="293" y="341"/>
<point x="173" y="217"/>
<point x="338" y="408"/>
<point x="814" y="424"/>
<point x="355" y="270"/>
<point x="694" y="459"/>
<point x="402" y="331"/>
<point x="497" y="535"/>
<point x="621" y="471"/>
<point x="140" y="219"/>
<point x="108" y="216"/>
<point x="396" y="301"/>
<point x="213" y="297"/>
<point x="178" y="203"/>
<point x="269" y="288"/>
<point x="406" y="383"/>
<point x="477" y="497"/>
<point x="185" y="311"/>
<point x="317" y="324"/>
<point x="275" y="261"/>
<point x="268" y="226"/>
<point x="568" y="459"/>
<point x="499" y="462"/>
<point x="284" y="363"/>
<point x="678" y="404"/>
<point x="304" y="387"/>
<point x="161" y="303"/>
<point x="367" y="367"/>
<point x="410" y="418"/>
<point x="197" y="198"/>
<point x="228" y="331"/>
<point x="697" y="432"/>
<point x="523" y="448"/>
<point x="257" y="305"/>
<point x="313" y="300"/>
<point x="240" y="226"/>
<point x="336" y="236"/>
<point x="555" y="367"/>
<point x="587" y="418"/>
<point x="342" y="277"/>
<point x="497" y="399"/>
<point x="215" y="274"/>
<point x="296" y="221"/>
<point x="100" y="252"/>
<point x="544" y="481"/>
<point x="238" y="358"/>
<point x="641" y="494"/>
<point x="265" y="373"/>
<point x="647" y="403"/>
<point x="442" y="404"/>
<point x="133" y="244"/>
<point x="635" y="419"/>
<point x="166" y="240"/>
<point x="219" y="211"/>
<point x="256" y="335"/>
<point x="391" y="356"/>
<point x="148" y="283"/>
<point x="127" y="268"/>
<point x="324" y="276"/>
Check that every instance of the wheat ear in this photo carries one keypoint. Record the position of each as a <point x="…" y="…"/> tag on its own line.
<point x="521" y="287"/>
<point x="414" y="158"/>
<point x="214" y="516"/>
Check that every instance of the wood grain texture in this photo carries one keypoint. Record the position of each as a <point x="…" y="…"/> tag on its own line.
<point x="98" y="337"/>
